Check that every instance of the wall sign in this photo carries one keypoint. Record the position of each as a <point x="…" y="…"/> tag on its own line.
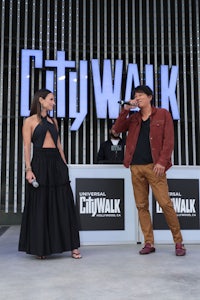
<point x="107" y="86"/>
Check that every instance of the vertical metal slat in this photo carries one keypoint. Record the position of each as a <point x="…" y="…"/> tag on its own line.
<point x="148" y="32"/>
<point x="198" y="54"/>
<point x="69" y="57"/>
<point x="16" y="179"/>
<point x="141" y="41"/>
<point x="25" y="47"/>
<point x="155" y="53"/>
<point x="1" y="83"/>
<point x="9" y="109"/>
<point x="84" y="18"/>
<point x="77" y="66"/>
<point x="193" y="150"/>
<point x="92" y="32"/>
<point x="62" y="129"/>
<point x="185" y="83"/>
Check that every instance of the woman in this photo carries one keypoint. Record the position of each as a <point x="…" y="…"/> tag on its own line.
<point x="49" y="223"/>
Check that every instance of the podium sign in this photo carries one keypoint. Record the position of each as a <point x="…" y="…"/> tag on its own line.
<point x="100" y="203"/>
<point x="184" y="194"/>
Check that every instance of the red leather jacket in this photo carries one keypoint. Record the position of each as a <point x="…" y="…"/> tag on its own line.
<point x="161" y="135"/>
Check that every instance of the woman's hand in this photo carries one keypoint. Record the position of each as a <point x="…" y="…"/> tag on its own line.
<point x="30" y="176"/>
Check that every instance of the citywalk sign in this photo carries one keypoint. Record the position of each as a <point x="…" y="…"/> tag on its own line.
<point x="107" y="85"/>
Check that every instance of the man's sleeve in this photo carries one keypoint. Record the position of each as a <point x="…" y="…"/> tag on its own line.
<point x="122" y="122"/>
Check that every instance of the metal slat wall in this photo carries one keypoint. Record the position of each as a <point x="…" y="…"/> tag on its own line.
<point x="136" y="31"/>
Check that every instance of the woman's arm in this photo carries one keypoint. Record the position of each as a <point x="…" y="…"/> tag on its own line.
<point x="59" y="146"/>
<point x="61" y="150"/>
<point x="26" y="133"/>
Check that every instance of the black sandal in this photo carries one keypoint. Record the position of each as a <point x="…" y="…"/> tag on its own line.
<point x="76" y="254"/>
<point x="41" y="257"/>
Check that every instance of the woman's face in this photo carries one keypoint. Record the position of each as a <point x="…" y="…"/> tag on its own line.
<point x="48" y="103"/>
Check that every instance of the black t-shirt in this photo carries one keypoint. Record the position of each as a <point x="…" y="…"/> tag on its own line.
<point x="142" y="154"/>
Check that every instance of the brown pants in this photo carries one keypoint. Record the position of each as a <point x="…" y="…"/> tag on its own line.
<point x="142" y="177"/>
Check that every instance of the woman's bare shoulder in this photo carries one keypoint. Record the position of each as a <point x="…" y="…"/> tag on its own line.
<point x="32" y="118"/>
<point x="55" y="121"/>
<point x="31" y="121"/>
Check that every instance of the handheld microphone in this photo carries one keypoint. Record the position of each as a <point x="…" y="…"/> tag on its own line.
<point x="34" y="183"/>
<point x="123" y="102"/>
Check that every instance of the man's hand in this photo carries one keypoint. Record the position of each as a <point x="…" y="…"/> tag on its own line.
<point x="159" y="170"/>
<point x="133" y="103"/>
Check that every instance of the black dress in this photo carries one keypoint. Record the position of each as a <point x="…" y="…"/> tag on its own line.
<point x="49" y="221"/>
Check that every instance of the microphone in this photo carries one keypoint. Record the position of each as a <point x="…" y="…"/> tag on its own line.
<point x="123" y="102"/>
<point x="34" y="183"/>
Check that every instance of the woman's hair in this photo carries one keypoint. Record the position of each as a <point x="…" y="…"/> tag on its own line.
<point x="35" y="105"/>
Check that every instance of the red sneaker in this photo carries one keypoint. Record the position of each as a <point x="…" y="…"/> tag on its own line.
<point x="147" y="249"/>
<point x="180" y="249"/>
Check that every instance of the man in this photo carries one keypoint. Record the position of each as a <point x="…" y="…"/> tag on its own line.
<point x="112" y="150"/>
<point x="149" y="146"/>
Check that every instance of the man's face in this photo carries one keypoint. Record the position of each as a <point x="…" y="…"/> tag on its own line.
<point x="114" y="136"/>
<point x="142" y="99"/>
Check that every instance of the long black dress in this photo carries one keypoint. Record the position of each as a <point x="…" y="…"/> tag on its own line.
<point x="49" y="221"/>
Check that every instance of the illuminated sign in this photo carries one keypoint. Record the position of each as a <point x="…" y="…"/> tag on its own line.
<point x="107" y="86"/>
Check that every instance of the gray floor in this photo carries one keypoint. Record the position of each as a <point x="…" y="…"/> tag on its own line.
<point x="105" y="272"/>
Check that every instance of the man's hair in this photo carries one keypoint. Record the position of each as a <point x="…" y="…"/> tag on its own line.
<point x="143" y="89"/>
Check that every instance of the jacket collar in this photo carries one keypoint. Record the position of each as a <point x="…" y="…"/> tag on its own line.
<point x="153" y="111"/>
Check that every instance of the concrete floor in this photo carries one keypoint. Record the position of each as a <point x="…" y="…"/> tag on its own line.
<point x="115" y="272"/>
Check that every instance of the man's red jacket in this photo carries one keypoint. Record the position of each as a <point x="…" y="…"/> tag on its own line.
<point x="161" y="135"/>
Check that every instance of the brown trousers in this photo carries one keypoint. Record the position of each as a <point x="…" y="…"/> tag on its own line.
<point x="142" y="177"/>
